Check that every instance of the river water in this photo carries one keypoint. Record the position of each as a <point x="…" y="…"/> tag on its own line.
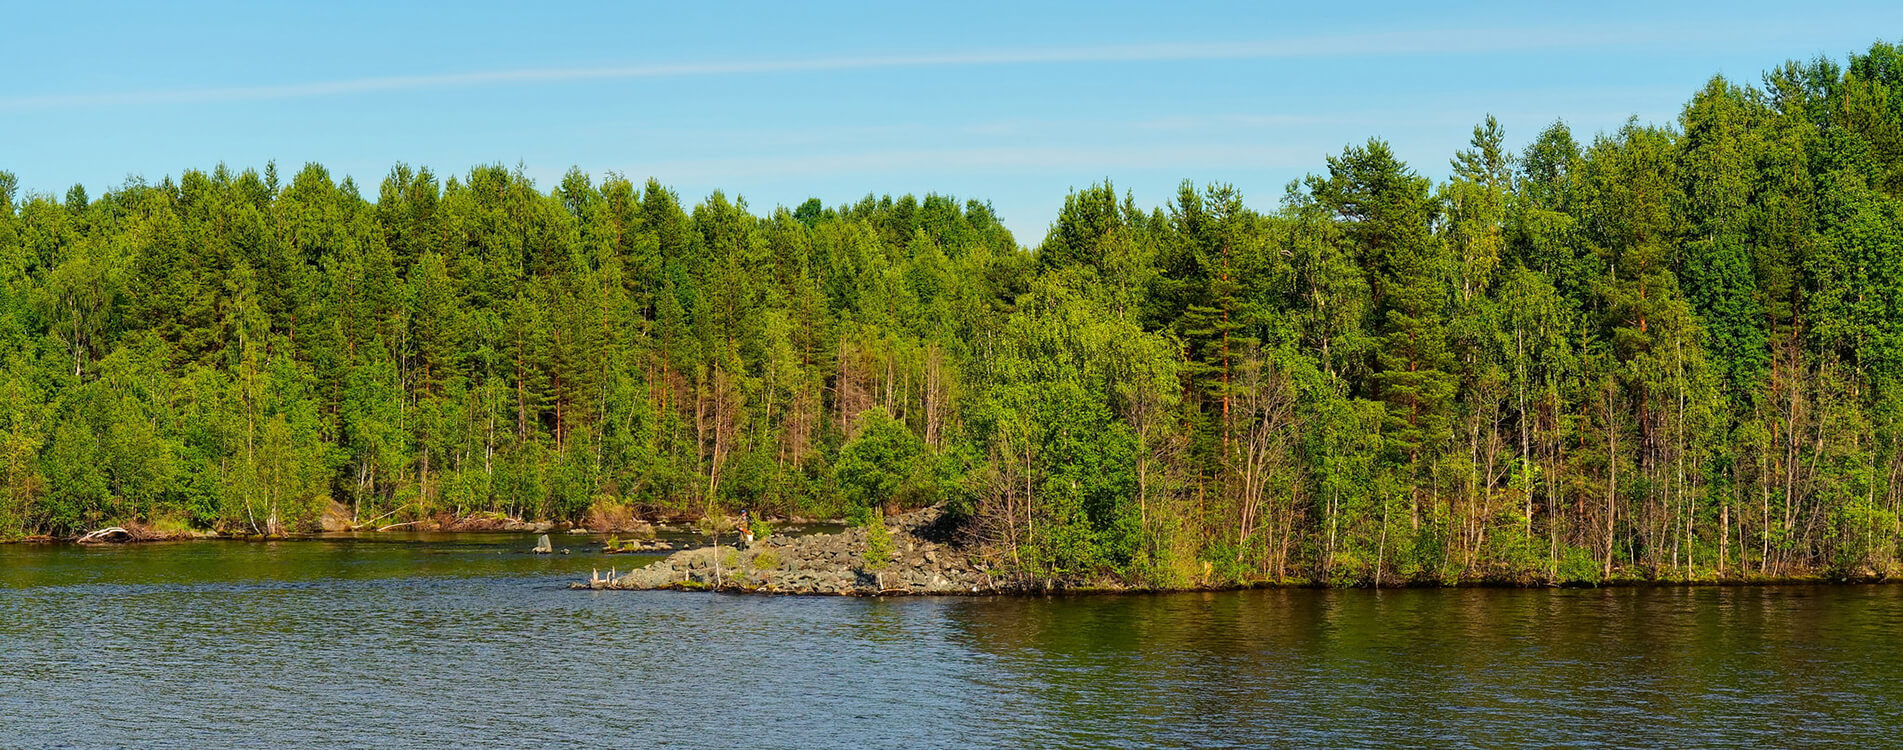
<point x="463" y="641"/>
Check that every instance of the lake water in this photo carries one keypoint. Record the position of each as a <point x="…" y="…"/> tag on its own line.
<point x="463" y="641"/>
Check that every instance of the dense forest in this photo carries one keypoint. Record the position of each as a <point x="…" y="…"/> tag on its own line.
<point x="1667" y="352"/>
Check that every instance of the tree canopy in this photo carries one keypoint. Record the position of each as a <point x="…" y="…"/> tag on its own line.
<point x="1666" y="352"/>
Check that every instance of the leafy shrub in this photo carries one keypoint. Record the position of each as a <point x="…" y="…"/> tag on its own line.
<point x="878" y="542"/>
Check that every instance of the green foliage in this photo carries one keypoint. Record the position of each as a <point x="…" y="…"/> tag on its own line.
<point x="878" y="554"/>
<point x="1661" y="352"/>
<point x="885" y="464"/>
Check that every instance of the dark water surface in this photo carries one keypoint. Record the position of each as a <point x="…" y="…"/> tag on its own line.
<point x="458" y="641"/>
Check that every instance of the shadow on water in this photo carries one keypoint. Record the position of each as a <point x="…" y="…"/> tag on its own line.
<point x="341" y="557"/>
<point x="1629" y="667"/>
<point x="463" y="640"/>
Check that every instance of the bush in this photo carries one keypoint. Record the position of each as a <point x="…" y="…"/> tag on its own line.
<point x="886" y="463"/>
<point x="878" y="542"/>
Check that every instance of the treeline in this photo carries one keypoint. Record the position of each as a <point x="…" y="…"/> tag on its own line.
<point x="1668" y="352"/>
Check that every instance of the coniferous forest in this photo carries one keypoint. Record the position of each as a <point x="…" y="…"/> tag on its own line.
<point x="1662" y="352"/>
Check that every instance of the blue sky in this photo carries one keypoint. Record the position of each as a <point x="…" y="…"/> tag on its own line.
<point x="1014" y="103"/>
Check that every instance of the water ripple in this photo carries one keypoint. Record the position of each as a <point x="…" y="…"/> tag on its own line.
<point x="451" y="643"/>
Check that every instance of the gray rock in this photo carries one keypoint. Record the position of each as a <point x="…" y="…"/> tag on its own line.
<point x="829" y="564"/>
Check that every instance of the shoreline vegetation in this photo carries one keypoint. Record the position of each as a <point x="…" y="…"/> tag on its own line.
<point x="1666" y="352"/>
<point x="919" y="554"/>
<point x="640" y="534"/>
<point x="923" y="554"/>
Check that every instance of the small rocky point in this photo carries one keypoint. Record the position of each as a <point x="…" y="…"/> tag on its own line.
<point x="924" y="561"/>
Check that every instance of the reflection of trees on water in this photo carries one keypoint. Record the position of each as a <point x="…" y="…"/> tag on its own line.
<point x="1142" y="669"/>
<point x="1474" y="666"/>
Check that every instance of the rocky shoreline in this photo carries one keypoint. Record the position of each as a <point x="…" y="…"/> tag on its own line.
<point x="920" y="558"/>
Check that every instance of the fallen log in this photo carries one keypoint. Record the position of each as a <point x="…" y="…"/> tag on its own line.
<point x="106" y="535"/>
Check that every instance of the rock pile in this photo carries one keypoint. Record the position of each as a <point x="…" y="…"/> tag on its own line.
<point x="630" y="546"/>
<point x="920" y="562"/>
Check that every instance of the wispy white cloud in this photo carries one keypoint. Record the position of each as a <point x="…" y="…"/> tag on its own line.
<point x="1457" y="41"/>
<point x="1462" y="111"/>
<point x="986" y="159"/>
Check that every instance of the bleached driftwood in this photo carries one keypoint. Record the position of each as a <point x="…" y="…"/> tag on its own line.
<point x="108" y="534"/>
